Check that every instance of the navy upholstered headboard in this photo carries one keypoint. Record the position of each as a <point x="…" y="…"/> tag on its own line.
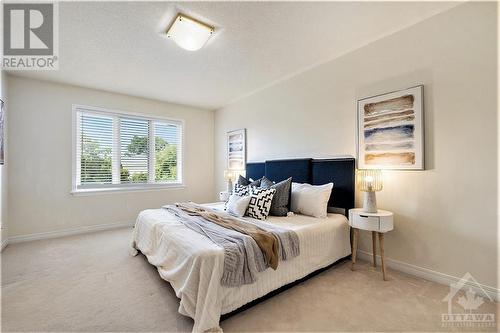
<point x="339" y="171"/>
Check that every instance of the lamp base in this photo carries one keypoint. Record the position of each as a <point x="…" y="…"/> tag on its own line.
<point x="369" y="202"/>
<point x="230" y="186"/>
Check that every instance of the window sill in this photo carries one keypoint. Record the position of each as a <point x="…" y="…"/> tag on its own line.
<point x="141" y="188"/>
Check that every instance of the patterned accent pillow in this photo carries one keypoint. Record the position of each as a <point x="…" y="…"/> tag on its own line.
<point x="241" y="190"/>
<point x="260" y="202"/>
<point x="279" y="205"/>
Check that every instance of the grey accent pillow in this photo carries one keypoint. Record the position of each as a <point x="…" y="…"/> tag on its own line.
<point x="265" y="182"/>
<point x="245" y="182"/>
<point x="279" y="205"/>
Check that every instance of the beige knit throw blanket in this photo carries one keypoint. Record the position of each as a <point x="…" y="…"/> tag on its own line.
<point x="267" y="241"/>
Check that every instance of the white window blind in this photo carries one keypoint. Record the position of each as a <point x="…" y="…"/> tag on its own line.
<point x="115" y="150"/>
<point x="167" y="144"/>
<point x="134" y="150"/>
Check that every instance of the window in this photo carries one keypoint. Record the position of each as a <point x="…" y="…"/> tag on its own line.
<point x="114" y="150"/>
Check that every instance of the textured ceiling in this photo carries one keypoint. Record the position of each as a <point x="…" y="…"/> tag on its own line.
<point x="119" y="46"/>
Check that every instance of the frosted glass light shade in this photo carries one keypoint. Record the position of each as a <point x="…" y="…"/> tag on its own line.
<point x="370" y="180"/>
<point x="229" y="175"/>
<point x="232" y="174"/>
<point x="189" y="33"/>
<point x="239" y="172"/>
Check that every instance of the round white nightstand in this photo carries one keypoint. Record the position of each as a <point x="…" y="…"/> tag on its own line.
<point x="378" y="223"/>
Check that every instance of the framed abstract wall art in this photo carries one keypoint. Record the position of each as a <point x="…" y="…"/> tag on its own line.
<point x="236" y="149"/>
<point x="391" y="130"/>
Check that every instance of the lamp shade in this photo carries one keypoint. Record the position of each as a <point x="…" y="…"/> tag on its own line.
<point x="232" y="174"/>
<point x="189" y="33"/>
<point x="229" y="175"/>
<point x="239" y="172"/>
<point x="369" y="180"/>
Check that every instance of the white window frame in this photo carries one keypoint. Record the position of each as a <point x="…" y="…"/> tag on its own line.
<point x="151" y="184"/>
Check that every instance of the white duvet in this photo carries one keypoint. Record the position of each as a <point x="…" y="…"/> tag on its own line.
<point x="193" y="264"/>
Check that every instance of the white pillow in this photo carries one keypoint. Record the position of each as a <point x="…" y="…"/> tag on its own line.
<point x="237" y="205"/>
<point x="310" y="199"/>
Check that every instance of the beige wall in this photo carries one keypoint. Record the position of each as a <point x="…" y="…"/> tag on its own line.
<point x="445" y="216"/>
<point x="3" y="168"/>
<point x="40" y="115"/>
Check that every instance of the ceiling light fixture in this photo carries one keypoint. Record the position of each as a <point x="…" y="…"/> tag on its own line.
<point x="189" y="33"/>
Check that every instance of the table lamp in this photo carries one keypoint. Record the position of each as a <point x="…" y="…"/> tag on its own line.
<point x="229" y="176"/>
<point x="369" y="181"/>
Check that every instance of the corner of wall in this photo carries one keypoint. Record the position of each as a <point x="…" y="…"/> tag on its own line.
<point x="3" y="168"/>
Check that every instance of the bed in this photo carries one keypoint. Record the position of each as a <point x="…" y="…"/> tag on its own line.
<point x="192" y="263"/>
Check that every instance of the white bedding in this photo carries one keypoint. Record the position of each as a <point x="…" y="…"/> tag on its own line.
<point x="193" y="264"/>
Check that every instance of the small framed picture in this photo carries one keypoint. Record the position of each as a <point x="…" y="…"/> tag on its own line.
<point x="236" y="149"/>
<point x="391" y="130"/>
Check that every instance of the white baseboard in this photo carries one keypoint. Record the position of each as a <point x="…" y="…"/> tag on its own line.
<point x="67" y="232"/>
<point x="430" y="275"/>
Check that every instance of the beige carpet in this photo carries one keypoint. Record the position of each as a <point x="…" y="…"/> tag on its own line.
<point x="90" y="283"/>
